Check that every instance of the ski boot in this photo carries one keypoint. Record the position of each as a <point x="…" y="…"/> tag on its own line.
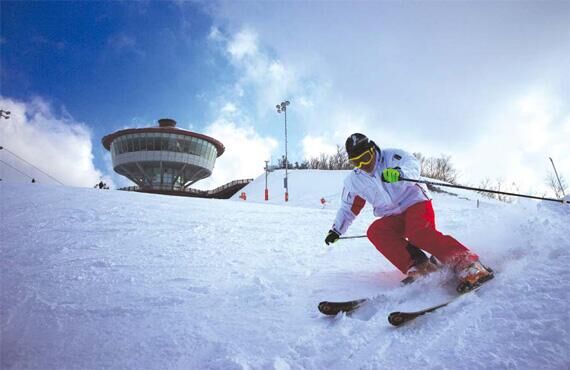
<point x="473" y="276"/>
<point x="421" y="269"/>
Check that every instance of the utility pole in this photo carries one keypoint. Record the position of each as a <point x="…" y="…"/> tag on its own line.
<point x="266" y="173"/>
<point x="282" y="108"/>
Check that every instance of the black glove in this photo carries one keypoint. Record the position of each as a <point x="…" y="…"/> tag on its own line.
<point x="332" y="237"/>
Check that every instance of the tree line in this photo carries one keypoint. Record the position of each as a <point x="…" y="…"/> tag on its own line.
<point x="439" y="168"/>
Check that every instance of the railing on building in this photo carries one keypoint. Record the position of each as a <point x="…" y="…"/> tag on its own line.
<point x="221" y="192"/>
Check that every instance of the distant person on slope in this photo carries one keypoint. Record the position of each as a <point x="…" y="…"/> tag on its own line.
<point x="407" y="215"/>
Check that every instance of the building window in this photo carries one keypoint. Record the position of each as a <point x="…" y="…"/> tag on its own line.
<point x="142" y="140"/>
<point x="171" y="143"/>
<point x="186" y="146"/>
<point x="145" y="143"/>
<point x="164" y="142"/>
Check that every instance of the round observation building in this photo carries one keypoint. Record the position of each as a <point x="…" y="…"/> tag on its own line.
<point x="163" y="158"/>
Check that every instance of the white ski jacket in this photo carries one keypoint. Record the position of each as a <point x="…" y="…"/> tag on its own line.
<point x="386" y="199"/>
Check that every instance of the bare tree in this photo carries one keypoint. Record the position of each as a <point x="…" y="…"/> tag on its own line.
<point x="324" y="161"/>
<point x="281" y="163"/>
<point x="314" y="163"/>
<point x="498" y="185"/>
<point x="340" y="159"/>
<point x="437" y="168"/>
<point x="485" y="184"/>
<point x="553" y="184"/>
<point x="336" y="161"/>
<point x="502" y="187"/>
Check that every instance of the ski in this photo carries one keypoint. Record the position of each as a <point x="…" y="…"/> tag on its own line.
<point x="395" y="318"/>
<point x="398" y="318"/>
<point x="333" y="308"/>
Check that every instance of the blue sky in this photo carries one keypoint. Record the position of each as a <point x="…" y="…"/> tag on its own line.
<point x="110" y="65"/>
<point x="484" y="82"/>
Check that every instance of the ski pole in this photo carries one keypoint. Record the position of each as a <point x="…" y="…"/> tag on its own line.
<point x="352" y="237"/>
<point x="483" y="190"/>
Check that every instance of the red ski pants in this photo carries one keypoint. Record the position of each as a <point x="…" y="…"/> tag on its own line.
<point x="416" y="225"/>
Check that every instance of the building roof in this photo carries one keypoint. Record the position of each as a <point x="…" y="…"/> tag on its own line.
<point x="164" y="129"/>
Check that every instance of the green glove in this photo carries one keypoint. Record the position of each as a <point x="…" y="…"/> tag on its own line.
<point x="390" y="175"/>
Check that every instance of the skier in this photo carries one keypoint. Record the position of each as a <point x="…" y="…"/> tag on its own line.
<point x="407" y="215"/>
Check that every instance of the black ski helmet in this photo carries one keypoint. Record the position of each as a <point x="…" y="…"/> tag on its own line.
<point x="357" y="144"/>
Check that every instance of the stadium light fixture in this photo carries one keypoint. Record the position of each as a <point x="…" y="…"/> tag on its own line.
<point x="4" y="114"/>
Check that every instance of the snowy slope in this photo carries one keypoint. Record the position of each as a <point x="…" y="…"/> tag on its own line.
<point x="109" y="279"/>
<point x="306" y="188"/>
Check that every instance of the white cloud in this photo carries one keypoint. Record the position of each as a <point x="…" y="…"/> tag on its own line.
<point x="229" y="108"/>
<point x="305" y="102"/>
<point x="422" y="78"/>
<point x="58" y="146"/>
<point x="245" y="153"/>
<point x="262" y="80"/>
<point x="277" y="71"/>
<point x="243" y="44"/>
<point x="215" y="34"/>
<point x="517" y="144"/>
<point x="332" y="126"/>
<point x="534" y="113"/>
<point x="318" y="112"/>
<point x="313" y="147"/>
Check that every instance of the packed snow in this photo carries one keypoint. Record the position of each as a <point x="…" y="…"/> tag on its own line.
<point x="97" y="279"/>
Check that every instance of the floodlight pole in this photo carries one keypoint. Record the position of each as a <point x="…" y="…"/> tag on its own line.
<point x="266" y="173"/>
<point x="283" y="108"/>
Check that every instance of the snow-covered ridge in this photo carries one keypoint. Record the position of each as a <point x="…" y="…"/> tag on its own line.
<point x="110" y="279"/>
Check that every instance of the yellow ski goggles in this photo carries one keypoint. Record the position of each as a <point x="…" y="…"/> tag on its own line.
<point x="362" y="159"/>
